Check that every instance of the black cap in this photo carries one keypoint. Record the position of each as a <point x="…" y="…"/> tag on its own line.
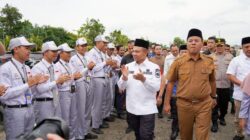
<point x="245" y="40"/>
<point x="183" y="47"/>
<point x="141" y="43"/>
<point x="195" y="32"/>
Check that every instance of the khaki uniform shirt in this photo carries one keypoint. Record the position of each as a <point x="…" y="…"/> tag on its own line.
<point x="221" y="63"/>
<point x="193" y="77"/>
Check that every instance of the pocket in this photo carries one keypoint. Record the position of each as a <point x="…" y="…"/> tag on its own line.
<point x="184" y="74"/>
<point x="205" y="72"/>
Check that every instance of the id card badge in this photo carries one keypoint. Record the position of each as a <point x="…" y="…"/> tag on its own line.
<point x="72" y="88"/>
<point x="88" y="79"/>
<point x="28" y="98"/>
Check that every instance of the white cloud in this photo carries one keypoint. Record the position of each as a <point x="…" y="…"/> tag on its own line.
<point x="157" y="20"/>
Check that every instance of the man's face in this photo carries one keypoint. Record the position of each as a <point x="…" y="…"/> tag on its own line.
<point x="227" y="49"/>
<point x="101" y="44"/>
<point x="246" y="49"/>
<point x="220" y="48"/>
<point x="130" y="47"/>
<point x="65" y="56"/>
<point x="23" y="52"/>
<point x="81" y="49"/>
<point x="175" y="50"/>
<point x="110" y="51"/>
<point x="51" y="55"/>
<point x="158" y="50"/>
<point x="182" y="52"/>
<point x="121" y="51"/>
<point x="211" y="44"/>
<point x="139" y="53"/>
<point x="194" y="44"/>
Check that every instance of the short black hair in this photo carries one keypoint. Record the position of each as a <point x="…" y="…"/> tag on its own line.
<point x="118" y="47"/>
<point x="131" y="41"/>
<point x="212" y="38"/>
<point x="173" y="45"/>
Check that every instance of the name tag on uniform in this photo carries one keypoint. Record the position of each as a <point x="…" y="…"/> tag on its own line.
<point x="72" y="88"/>
<point x="28" y="98"/>
<point x="148" y="72"/>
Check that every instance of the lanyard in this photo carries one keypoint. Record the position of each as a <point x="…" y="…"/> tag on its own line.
<point x="64" y="67"/>
<point x="80" y="60"/>
<point x="100" y="54"/>
<point x="19" y="71"/>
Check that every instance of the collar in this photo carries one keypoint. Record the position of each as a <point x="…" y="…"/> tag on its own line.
<point x="81" y="56"/>
<point x="243" y="56"/>
<point x="97" y="50"/>
<point x="64" y="62"/>
<point x="47" y="64"/>
<point x="188" y="57"/>
<point x="144" y="63"/>
<point x="18" y="64"/>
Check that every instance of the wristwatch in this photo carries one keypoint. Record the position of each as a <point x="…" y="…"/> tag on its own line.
<point x="213" y="97"/>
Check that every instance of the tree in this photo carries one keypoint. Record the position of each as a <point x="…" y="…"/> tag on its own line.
<point x="178" y="41"/>
<point x="90" y="30"/>
<point x="10" y="21"/>
<point x="118" y="38"/>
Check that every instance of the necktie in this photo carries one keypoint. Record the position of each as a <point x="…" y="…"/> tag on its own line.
<point x="54" y="90"/>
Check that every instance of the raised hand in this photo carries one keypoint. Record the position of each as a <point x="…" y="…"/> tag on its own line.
<point x="125" y="72"/>
<point x="139" y="76"/>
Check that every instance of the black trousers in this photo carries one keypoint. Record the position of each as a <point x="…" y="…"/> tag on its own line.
<point x="223" y="98"/>
<point x="174" y="114"/>
<point x="143" y="126"/>
<point x="160" y="108"/>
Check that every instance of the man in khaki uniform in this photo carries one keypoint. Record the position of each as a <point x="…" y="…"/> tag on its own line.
<point x="221" y="62"/>
<point x="196" y="89"/>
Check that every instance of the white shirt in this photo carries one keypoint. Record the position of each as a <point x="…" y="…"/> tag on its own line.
<point x="141" y="97"/>
<point x="11" y="78"/>
<point x="79" y="64"/>
<point x="44" y="90"/>
<point x="97" y="57"/>
<point x="167" y="63"/>
<point x="239" y="67"/>
<point x="64" y="68"/>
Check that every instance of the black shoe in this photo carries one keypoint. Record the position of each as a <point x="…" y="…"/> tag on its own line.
<point x="109" y="119"/>
<point x="160" y="115"/>
<point x="120" y="116"/>
<point x="91" y="136"/>
<point x="97" y="131"/>
<point x="223" y="122"/>
<point x="104" y="125"/>
<point x="214" y="127"/>
<point x="128" y="130"/>
<point x="236" y="137"/>
<point x="174" y="135"/>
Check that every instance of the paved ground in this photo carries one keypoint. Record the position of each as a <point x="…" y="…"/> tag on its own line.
<point x="162" y="130"/>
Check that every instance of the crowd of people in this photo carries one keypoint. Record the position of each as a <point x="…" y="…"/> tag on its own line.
<point x="89" y="89"/>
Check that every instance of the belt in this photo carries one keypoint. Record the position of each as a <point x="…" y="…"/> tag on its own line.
<point x="99" y="77"/>
<point x="193" y="101"/>
<point x="43" y="99"/>
<point x="16" y="106"/>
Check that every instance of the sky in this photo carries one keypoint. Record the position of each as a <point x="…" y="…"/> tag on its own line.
<point x="157" y="20"/>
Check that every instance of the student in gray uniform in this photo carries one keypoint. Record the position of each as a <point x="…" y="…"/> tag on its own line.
<point x="46" y="100"/>
<point x="66" y="90"/>
<point x="84" y="96"/>
<point x="98" y="83"/>
<point x="17" y="99"/>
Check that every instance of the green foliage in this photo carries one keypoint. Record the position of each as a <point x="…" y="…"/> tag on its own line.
<point x="178" y="41"/>
<point x="91" y="29"/>
<point x="118" y="38"/>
